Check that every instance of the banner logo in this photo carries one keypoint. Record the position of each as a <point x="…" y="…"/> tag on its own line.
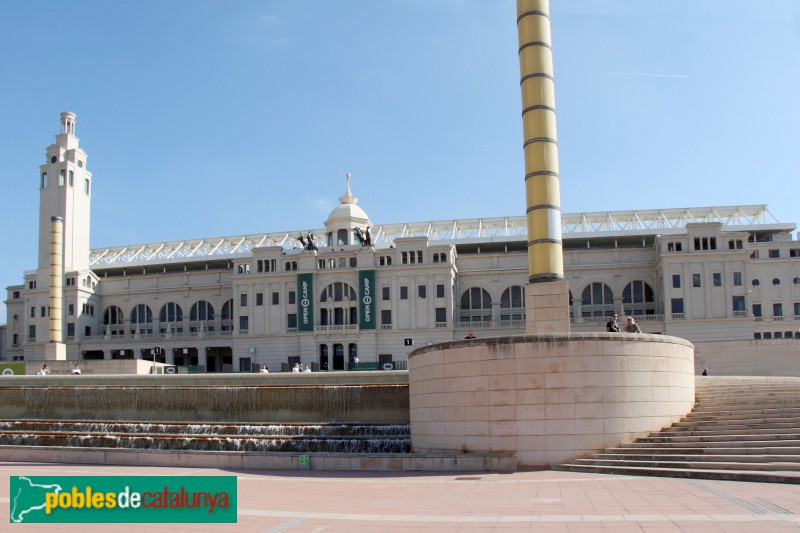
<point x="122" y="499"/>
<point x="366" y="288"/>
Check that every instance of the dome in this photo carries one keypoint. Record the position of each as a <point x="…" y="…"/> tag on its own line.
<point x="347" y="213"/>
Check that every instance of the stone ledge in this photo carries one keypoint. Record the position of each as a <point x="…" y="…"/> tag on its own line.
<point x="433" y="462"/>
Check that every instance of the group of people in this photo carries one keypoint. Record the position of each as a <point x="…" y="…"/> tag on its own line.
<point x="301" y="368"/>
<point x="45" y="370"/>
<point x="630" y="326"/>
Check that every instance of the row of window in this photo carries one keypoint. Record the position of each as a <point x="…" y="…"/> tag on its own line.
<point x="777" y="310"/>
<point x="777" y="335"/>
<point x="170" y="312"/>
<point x="67" y="177"/>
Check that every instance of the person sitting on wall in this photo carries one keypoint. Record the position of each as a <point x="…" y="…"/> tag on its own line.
<point x="264" y="370"/>
<point x="307" y="368"/>
<point x="632" y="326"/>
<point x="44" y="371"/>
<point x="75" y="370"/>
<point x="296" y="367"/>
<point x="612" y="326"/>
<point x="470" y="335"/>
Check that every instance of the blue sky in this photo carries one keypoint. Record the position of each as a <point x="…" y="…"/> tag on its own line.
<point x="209" y="118"/>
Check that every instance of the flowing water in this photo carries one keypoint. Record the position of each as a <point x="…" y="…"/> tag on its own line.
<point x="297" y="438"/>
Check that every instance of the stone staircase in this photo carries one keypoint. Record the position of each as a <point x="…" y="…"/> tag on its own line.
<point x="741" y="428"/>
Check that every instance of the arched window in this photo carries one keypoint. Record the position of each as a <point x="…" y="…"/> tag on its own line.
<point x="476" y="305"/>
<point x="112" y="316"/>
<point x="170" y="312"/>
<point x="597" y="300"/>
<point x="201" y="311"/>
<point x="571" y="309"/>
<point x="227" y="315"/>
<point x="141" y="319"/>
<point x="341" y="237"/>
<point x="638" y="298"/>
<point x="341" y="305"/>
<point x="512" y="303"/>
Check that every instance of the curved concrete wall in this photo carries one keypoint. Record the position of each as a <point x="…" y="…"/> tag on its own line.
<point x="548" y="398"/>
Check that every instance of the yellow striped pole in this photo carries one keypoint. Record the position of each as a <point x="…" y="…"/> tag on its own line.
<point x="56" y="277"/>
<point x="545" y="260"/>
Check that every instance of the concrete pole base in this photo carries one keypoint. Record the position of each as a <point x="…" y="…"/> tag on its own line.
<point x="55" y="351"/>
<point x="547" y="307"/>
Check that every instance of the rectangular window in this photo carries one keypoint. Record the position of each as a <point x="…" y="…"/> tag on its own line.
<point x="71" y="181"/>
<point x="242" y="300"/>
<point x="86" y="187"/>
<point x="70" y="329"/>
<point x="291" y="320"/>
<point x="737" y="279"/>
<point x="292" y="298"/>
<point x="738" y="304"/>
<point x="677" y="305"/>
<point x="386" y="293"/>
<point x="777" y="309"/>
<point x="404" y="257"/>
<point x="243" y="323"/>
<point x="71" y="309"/>
<point x="717" y="278"/>
<point x="43" y="311"/>
<point x="757" y="310"/>
<point x="62" y="177"/>
<point x="386" y="317"/>
<point x="353" y="262"/>
<point x="32" y="332"/>
<point x="259" y="298"/>
<point x="33" y="312"/>
<point x="419" y="256"/>
<point x="797" y="309"/>
<point x="794" y="252"/>
<point x="676" y="281"/>
<point x="245" y="364"/>
<point x="441" y="315"/>
<point x="276" y="298"/>
<point x="695" y="280"/>
<point x="440" y="291"/>
<point x="404" y="293"/>
<point x="422" y="291"/>
<point x="774" y="254"/>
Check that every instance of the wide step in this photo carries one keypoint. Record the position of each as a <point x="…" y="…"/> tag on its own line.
<point x="741" y="428"/>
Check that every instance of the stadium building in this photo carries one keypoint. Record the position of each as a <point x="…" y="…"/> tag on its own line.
<point x="725" y="278"/>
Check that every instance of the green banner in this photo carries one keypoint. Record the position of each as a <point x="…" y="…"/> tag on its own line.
<point x="12" y="369"/>
<point x="122" y="499"/>
<point x="366" y="299"/>
<point x="305" y="302"/>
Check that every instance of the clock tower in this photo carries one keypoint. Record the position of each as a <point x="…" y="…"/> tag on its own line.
<point x="65" y="190"/>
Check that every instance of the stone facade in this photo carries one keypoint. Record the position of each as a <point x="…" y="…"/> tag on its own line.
<point x="710" y="275"/>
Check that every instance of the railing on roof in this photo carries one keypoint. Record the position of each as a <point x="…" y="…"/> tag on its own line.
<point x="649" y="221"/>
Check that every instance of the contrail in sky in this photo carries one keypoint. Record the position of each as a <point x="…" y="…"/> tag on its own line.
<point x="648" y="75"/>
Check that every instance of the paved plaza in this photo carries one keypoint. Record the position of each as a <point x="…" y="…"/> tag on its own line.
<point x="298" y="501"/>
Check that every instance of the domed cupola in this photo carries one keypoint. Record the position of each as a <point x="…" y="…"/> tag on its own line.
<point x="344" y="219"/>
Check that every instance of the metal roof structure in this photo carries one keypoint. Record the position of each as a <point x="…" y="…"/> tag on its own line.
<point x="477" y="230"/>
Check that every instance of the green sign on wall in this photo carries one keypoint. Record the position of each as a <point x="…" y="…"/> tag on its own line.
<point x="366" y="297"/>
<point x="12" y="369"/>
<point x="305" y="302"/>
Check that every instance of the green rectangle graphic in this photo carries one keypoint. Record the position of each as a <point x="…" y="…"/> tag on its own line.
<point x="305" y="301"/>
<point x="122" y="499"/>
<point x="366" y="290"/>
